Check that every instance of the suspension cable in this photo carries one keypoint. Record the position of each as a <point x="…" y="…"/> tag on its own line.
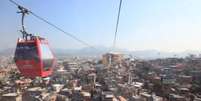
<point x="55" y="26"/>
<point x="117" y="24"/>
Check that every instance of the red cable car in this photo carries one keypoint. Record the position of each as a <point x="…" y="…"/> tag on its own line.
<point x="33" y="56"/>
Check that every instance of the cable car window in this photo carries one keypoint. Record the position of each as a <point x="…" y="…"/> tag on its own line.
<point x="26" y="51"/>
<point x="47" y="56"/>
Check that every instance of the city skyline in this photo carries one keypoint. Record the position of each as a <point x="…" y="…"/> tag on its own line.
<point x="144" y="25"/>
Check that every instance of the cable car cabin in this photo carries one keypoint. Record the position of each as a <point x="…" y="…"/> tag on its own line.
<point x="34" y="58"/>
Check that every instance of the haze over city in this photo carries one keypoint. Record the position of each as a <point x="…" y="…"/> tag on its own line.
<point x="100" y="50"/>
<point x="165" y="25"/>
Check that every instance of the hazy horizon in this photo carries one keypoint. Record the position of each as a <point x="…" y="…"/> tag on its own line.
<point x="170" y="26"/>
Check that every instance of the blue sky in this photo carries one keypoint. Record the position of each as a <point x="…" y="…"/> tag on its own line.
<point x="166" y="25"/>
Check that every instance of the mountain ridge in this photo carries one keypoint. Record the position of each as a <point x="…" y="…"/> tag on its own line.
<point x="98" y="51"/>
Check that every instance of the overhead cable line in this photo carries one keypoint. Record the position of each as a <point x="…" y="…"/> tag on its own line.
<point x="117" y="24"/>
<point x="55" y="26"/>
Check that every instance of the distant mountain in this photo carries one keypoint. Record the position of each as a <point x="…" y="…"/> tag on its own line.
<point x="151" y="54"/>
<point x="144" y="54"/>
<point x="7" y="52"/>
<point x="98" y="51"/>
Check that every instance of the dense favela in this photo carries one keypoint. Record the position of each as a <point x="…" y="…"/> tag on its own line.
<point x="100" y="50"/>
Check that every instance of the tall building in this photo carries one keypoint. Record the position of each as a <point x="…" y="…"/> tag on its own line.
<point x="111" y="58"/>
